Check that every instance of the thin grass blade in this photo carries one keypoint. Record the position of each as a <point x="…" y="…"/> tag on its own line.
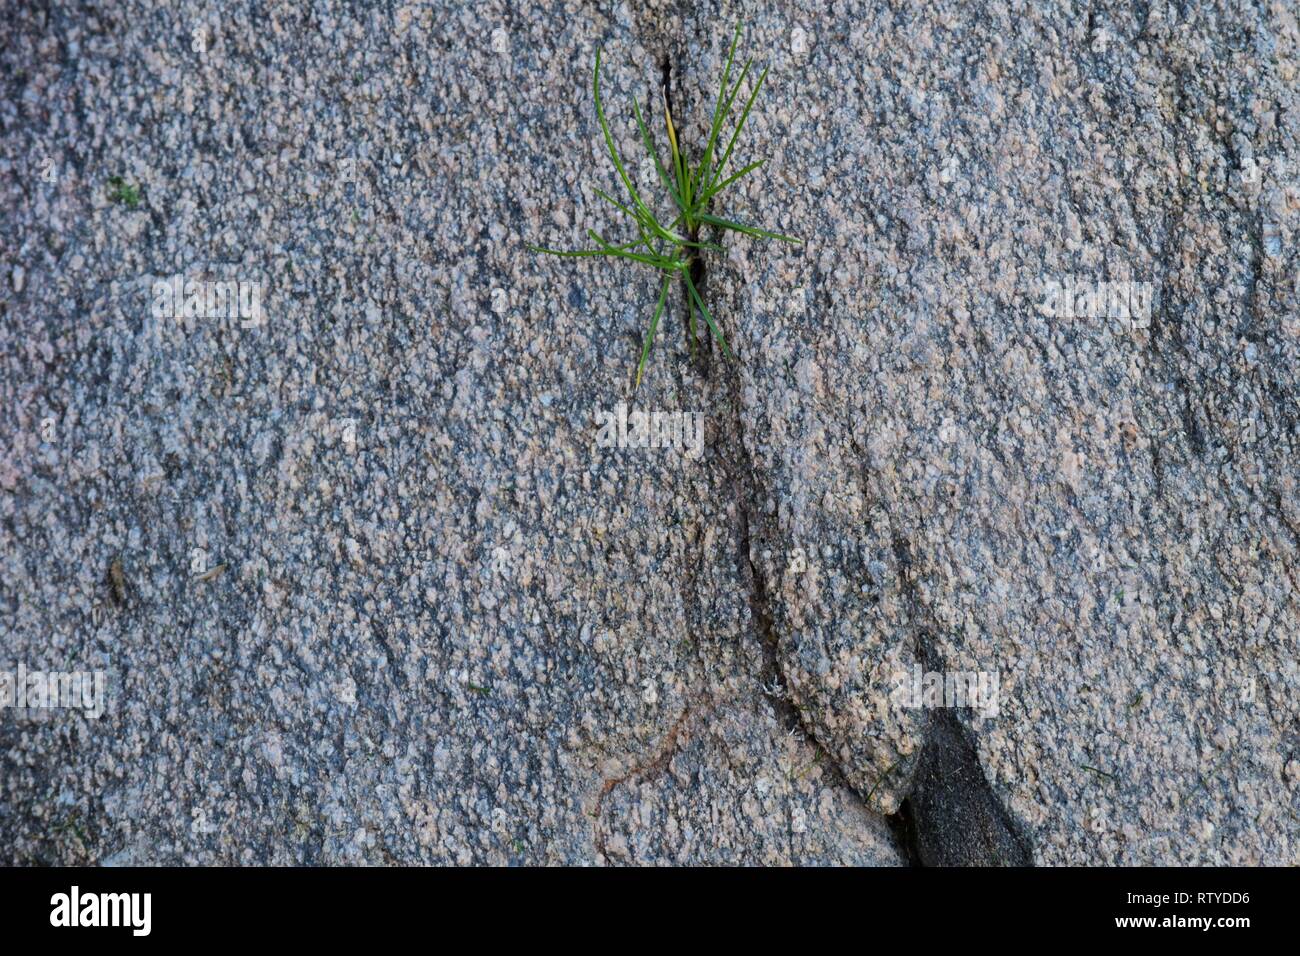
<point x="714" y="190"/>
<point x="615" y="203"/>
<point x="641" y="207"/>
<point x="747" y="230"/>
<point x="690" y="325"/>
<point x="749" y="105"/>
<point x="699" y="303"/>
<point x="683" y="177"/>
<point x="650" y="335"/>
<point x="719" y="111"/>
<point x="706" y="172"/>
<point x="581" y="252"/>
<point x="649" y="147"/>
<point x="623" y="252"/>
<point x="711" y="246"/>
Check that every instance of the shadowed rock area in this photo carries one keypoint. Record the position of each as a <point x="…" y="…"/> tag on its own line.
<point x="365" y="584"/>
<point x="951" y="818"/>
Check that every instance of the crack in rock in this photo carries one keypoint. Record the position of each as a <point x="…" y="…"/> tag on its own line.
<point x="657" y="764"/>
<point x="951" y="817"/>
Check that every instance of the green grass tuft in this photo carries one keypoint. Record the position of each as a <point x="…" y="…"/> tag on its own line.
<point x="673" y="248"/>
<point x="120" y="191"/>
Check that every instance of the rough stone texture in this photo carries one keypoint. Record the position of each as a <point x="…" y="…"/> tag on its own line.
<point x="1106" y="518"/>
<point x="472" y="635"/>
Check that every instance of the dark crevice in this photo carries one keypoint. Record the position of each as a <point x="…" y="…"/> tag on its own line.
<point x="903" y="824"/>
<point x="698" y="273"/>
<point x="951" y="817"/>
<point x="699" y="346"/>
<point x="742" y="476"/>
<point x="666" y="69"/>
<point x="772" y="675"/>
<point x="745" y="491"/>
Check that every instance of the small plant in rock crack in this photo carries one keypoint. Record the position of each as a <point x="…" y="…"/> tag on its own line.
<point x="674" y="248"/>
<point x="120" y="191"/>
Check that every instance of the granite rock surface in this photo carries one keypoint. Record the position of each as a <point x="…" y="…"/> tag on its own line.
<point x="368" y="585"/>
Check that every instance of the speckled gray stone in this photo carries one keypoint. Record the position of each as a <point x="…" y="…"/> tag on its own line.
<point x="453" y="628"/>
<point x="1105" y="517"/>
